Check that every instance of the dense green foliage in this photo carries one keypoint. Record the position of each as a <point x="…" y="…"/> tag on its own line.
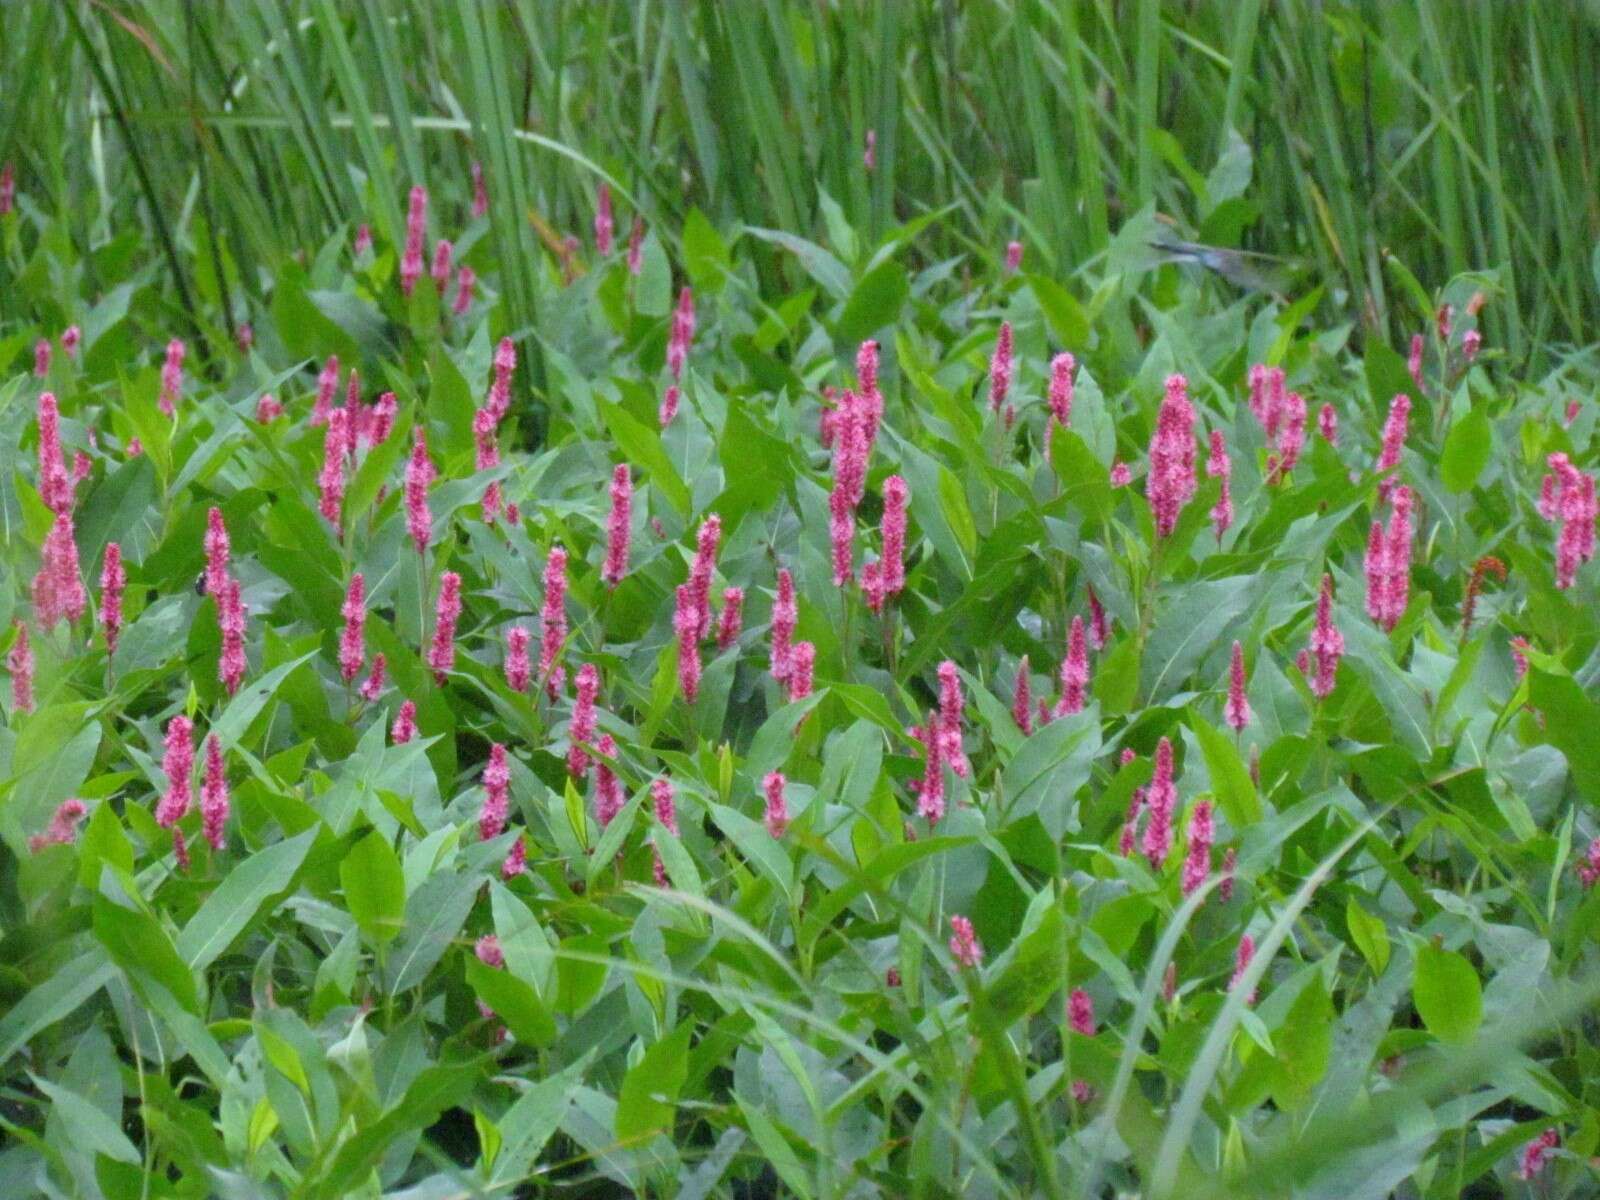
<point x="693" y="1004"/>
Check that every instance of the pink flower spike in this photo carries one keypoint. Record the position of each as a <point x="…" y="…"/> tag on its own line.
<point x="516" y="861"/>
<point x="488" y="951"/>
<point x="505" y="365"/>
<point x="1099" y="626"/>
<point x="71" y="336"/>
<point x="442" y="649"/>
<point x="327" y="388"/>
<point x="331" y="481"/>
<point x="230" y="619"/>
<point x="685" y="623"/>
<point x="683" y="323"/>
<point x="180" y="849"/>
<point x="1080" y="1012"/>
<point x="636" y="247"/>
<point x="951" y="705"/>
<point x="214" y="795"/>
<point x="665" y="801"/>
<point x="802" y="664"/>
<point x="867" y="367"/>
<point x="1120" y="475"/>
<point x="869" y="153"/>
<point x="405" y="724"/>
<point x="1171" y="480"/>
<point x="777" y="814"/>
<point x="1074" y="672"/>
<point x="1241" y="963"/>
<point x="1001" y="367"/>
<point x="352" y="644"/>
<point x="604" y="223"/>
<point x="705" y="560"/>
<point x="362" y="243"/>
<point x="1013" y="257"/>
<point x="217" y="551"/>
<point x="1218" y="465"/>
<point x="1062" y="367"/>
<point x="1022" y="700"/>
<point x="1535" y="1154"/>
<point x="618" y="527"/>
<point x="172" y="378"/>
<point x="1326" y="644"/>
<point x="442" y="250"/>
<point x="58" y="591"/>
<point x="1471" y="343"/>
<point x="519" y="671"/>
<point x="1197" y="864"/>
<point x="785" y="615"/>
<point x="63" y="827"/>
<point x="496" y="794"/>
<point x="553" y="621"/>
<point x="19" y="661"/>
<point x="965" y="947"/>
<point x="466" y="286"/>
<point x="41" y="358"/>
<point x="669" y="405"/>
<point x="731" y="620"/>
<point x="416" y="230"/>
<point x="113" y="579"/>
<point x="480" y="193"/>
<point x="268" y="409"/>
<point x="1397" y="558"/>
<point x="55" y="485"/>
<point x="1161" y="796"/>
<point x="372" y="688"/>
<point x="1394" y="440"/>
<point x="930" y="791"/>
<point x="581" y="730"/>
<point x="841" y="534"/>
<point x="177" y="763"/>
<point x="896" y="495"/>
<point x="1414" y="360"/>
<point x="419" y="475"/>
<point x="1589" y="865"/>
<point x="608" y="798"/>
<point x="1236" y="712"/>
<point x="1328" y="424"/>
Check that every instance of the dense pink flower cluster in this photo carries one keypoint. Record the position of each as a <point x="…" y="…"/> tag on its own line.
<point x="553" y="621"/>
<point x="55" y="485"/>
<point x="214" y="795"/>
<point x="1001" y="367"/>
<point x="619" y="531"/>
<point x="231" y="621"/>
<point x="1568" y="497"/>
<point x="1388" y="562"/>
<point x="608" y="798"/>
<point x="63" y="827"/>
<point x="1062" y="368"/>
<point x="496" y="794"/>
<point x="113" y="580"/>
<point x="58" y="592"/>
<point x="1589" y="864"/>
<point x="466" y="286"/>
<point x="416" y="231"/>
<point x="785" y="616"/>
<point x="581" y="730"/>
<point x="1328" y="424"/>
<point x="177" y="763"/>
<point x="682" y="334"/>
<point x="1395" y="426"/>
<point x="1236" y="712"/>
<point x="1013" y="257"/>
<point x="1414" y="360"/>
<point x="1161" y="797"/>
<point x="419" y="476"/>
<point x="172" y="377"/>
<point x="352" y="639"/>
<point x="949" y="731"/>
<point x="447" y="611"/>
<point x="405" y="723"/>
<point x="776" y="817"/>
<point x="519" y="669"/>
<point x="930" y="789"/>
<point x="802" y="668"/>
<point x="965" y="947"/>
<point x="1326" y="645"/>
<point x="20" y="663"/>
<point x="480" y="192"/>
<point x="731" y="619"/>
<point x="1220" y="466"/>
<point x="1536" y="1154"/>
<point x="1171" y="481"/>
<point x="442" y="252"/>
<point x="1242" y="959"/>
<point x="1022" y="699"/>
<point x="372" y="687"/>
<point x="1074" y="671"/>
<point x="669" y="405"/>
<point x="1268" y="400"/>
<point x="1197" y="862"/>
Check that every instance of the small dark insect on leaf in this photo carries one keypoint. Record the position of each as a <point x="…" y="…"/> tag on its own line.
<point x="200" y="584"/>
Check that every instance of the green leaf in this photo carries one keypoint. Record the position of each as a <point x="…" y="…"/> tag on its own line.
<point x="1571" y="720"/>
<point x="86" y="1127"/>
<point x="1370" y="935"/>
<point x="1466" y="451"/>
<point x="1447" y="993"/>
<point x="140" y="946"/>
<point x="705" y="254"/>
<point x="513" y="1001"/>
<point x="58" y="997"/>
<point x="1229" y="776"/>
<point x="243" y="893"/>
<point x="649" y="1093"/>
<point x="434" y="916"/>
<point x="374" y="888"/>
<point x="641" y="445"/>
<point x="1067" y="319"/>
<point x="1033" y="974"/>
<point x="875" y="303"/>
<point x="529" y="1123"/>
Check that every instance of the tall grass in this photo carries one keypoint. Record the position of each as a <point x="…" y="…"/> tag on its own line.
<point x="1447" y="135"/>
